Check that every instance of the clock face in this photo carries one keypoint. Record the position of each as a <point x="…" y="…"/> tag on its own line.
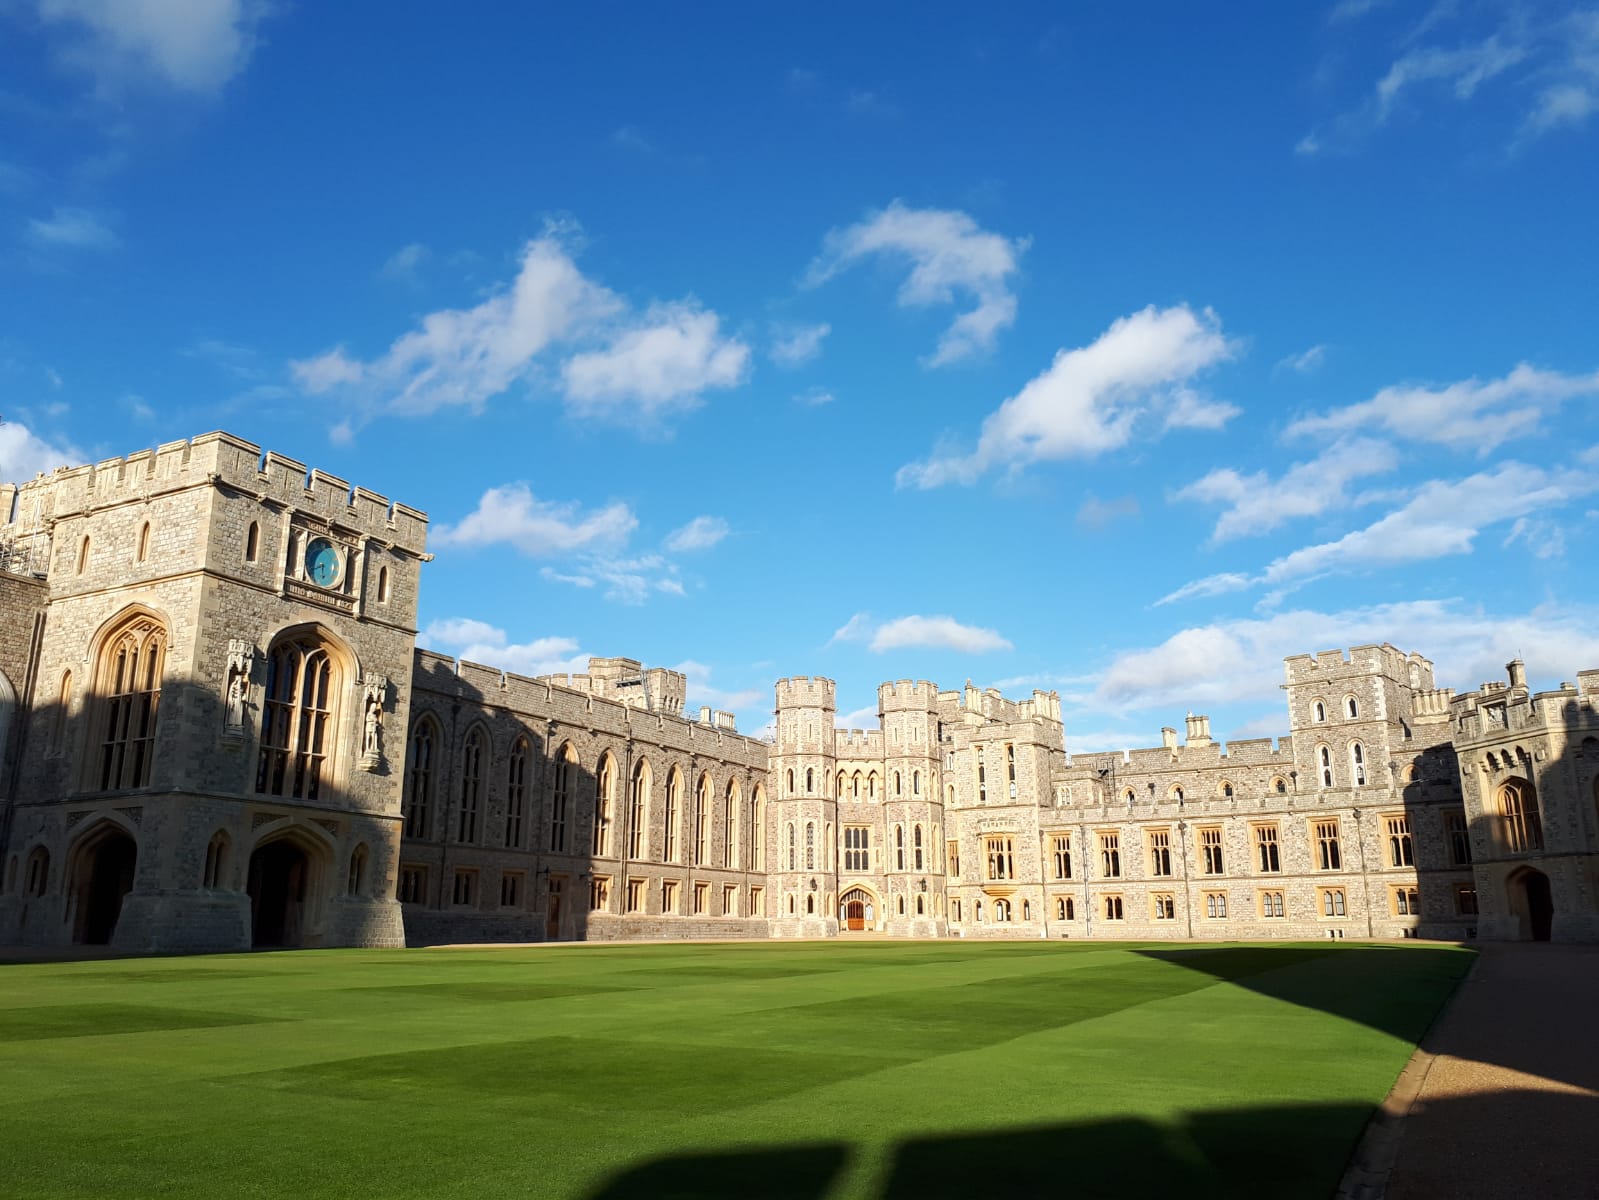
<point x="322" y="562"/>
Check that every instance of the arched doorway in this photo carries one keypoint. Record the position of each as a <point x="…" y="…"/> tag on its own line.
<point x="104" y="876"/>
<point x="1531" y="900"/>
<point x="857" y="909"/>
<point x="279" y="877"/>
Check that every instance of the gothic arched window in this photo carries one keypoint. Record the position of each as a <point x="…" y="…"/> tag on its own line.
<point x="299" y="720"/>
<point x="419" y="778"/>
<point x="128" y="684"/>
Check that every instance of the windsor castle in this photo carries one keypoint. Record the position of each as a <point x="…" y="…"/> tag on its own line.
<point x="217" y="731"/>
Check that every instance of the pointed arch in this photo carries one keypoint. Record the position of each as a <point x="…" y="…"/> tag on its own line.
<point x="561" y="772"/>
<point x="129" y="664"/>
<point x="734" y="803"/>
<point x="474" y="763"/>
<point x="308" y="670"/>
<point x="1520" y="821"/>
<point x="639" y="797"/>
<point x="758" y="829"/>
<point x="143" y="550"/>
<point x="604" y="805"/>
<point x="674" y="814"/>
<point x="420" y="775"/>
<point x="100" y="865"/>
<point x="216" y="860"/>
<point x="704" y="800"/>
<point x="516" y="791"/>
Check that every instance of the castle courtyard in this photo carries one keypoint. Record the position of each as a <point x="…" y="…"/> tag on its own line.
<point x="802" y="1069"/>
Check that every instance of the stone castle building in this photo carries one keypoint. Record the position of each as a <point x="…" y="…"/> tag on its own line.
<point x="217" y="731"/>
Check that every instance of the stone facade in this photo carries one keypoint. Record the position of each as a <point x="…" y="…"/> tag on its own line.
<point x="217" y="731"/>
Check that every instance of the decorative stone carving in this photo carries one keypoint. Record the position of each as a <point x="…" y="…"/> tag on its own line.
<point x="374" y="695"/>
<point x="241" y="660"/>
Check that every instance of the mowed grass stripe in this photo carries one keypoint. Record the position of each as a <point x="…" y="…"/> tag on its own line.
<point x="433" y="1073"/>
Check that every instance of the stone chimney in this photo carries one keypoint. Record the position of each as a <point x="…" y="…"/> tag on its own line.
<point x="1198" y="730"/>
<point x="1518" y="673"/>
<point x="1168" y="737"/>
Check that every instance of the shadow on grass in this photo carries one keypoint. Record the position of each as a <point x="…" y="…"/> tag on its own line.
<point x="1285" y="1152"/>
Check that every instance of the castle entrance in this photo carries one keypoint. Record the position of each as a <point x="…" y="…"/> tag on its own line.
<point x="857" y="909"/>
<point x="105" y="876"/>
<point x="279" y="874"/>
<point x="1531" y="900"/>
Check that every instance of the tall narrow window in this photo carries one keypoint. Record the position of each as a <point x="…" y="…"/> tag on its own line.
<point x="1457" y="838"/>
<point x="916" y="847"/>
<point x="810" y="781"/>
<point x="1357" y="764"/>
<point x="1110" y="855"/>
<point x="1329" y="855"/>
<point x="561" y="795"/>
<point x="1518" y="807"/>
<point x="471" y="787"/>
<point x="982" y="778"/>
<point x="144" y="541"/>
<point x="83" y="555"/>
<point x="1320" y="711"/>
<point x="857" y="848"/>
<point x="810" y="845"/>
<point x="130" y="669"/>
<point x="792" y="863"/>
<point x="702" y="821"/>
<point x="1401" y="853"/>
<point x="216" y="860"/>
<point x="1325" y="756"/>
<point x="730" y="844"/>
<point x="419" y="779"/>
<point x="1266" y="846"/>
<point x="356" y="880"/>
<point x="758" y="829"/>
<point x="638" y="814"/>
<point x="916" y="783"/>
<point x="1210" y="847"/>
<point x="899" y="847"/>
<point x="1160" y="852"/>
<point x="1061" y="847"/>
<point x="897" y="786"/>
<point x="674" y="806"/>
<point x="58" y="736"/>
<point x="515" y="794"/>
<point x="252" y="542"/>
<point x="1001" y="859"/>
<point x="383" y="585"/>
<point x="604" y="806"/>
<point x="298" y="721"/>
<point x="1351" y="707"/>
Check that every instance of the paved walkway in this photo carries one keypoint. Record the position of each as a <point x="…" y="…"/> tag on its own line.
<point x="1503" y="1095"/>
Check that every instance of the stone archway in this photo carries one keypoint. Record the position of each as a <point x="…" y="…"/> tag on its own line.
<point x="1531" y="900"/>
<point x="103" y="869"/>
<point x="858" y="909"/>
<point x="280" y="883"/>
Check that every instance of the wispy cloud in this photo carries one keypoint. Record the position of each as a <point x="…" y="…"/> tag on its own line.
<point x="793" y="346"/>
<point x="1091" y="399"/>
<point x="71" y="229"/>
<point x="699" y="534"/>
<point x="948" y="254"/>
<point x="402" y="266"/>
<point x="478" y="641"/>
<point x="915" y="631"/>
<point x="188" y="45"/>
<point x="1470" y="414"/>
<point x="1257" y="503"/>
<point x="1095" y="513"/>
<point x="512" y="515"/>
<point x="1305" y="361"/>
<point x="23" y="453"/>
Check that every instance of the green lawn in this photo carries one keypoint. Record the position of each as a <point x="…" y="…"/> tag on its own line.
<point x="804" y="1070"/>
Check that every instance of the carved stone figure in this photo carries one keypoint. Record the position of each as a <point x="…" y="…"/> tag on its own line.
<point x="241" y="657"/>
<point x="374" y="693"/>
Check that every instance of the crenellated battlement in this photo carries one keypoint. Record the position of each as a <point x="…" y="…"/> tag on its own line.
<point x="806" y="691"/>
<point x="1432" y="702"/>
<point x="858" y="743"/>
<point x="1386" y="659"/>
<point x="213" y="458"/>
<point x="907" y="695"/>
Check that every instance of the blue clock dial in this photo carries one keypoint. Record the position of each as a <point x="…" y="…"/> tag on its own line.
<point x="322" y="563"/>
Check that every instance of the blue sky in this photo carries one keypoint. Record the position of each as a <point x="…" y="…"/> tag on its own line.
<point x="1117" y="351"/>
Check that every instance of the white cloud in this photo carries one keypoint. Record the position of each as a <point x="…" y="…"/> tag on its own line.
<point x="700" y="691"/>
<point x="1189" y="410"/>
<point x="479" y="642"/>
<point x="1470" y="414"/>
<point x="23" y="454"/>
<point x="814" y="397"/>
<point x="71" y="228"/>
<point x="1441" y="519"/>
<point x="791" y="347"/>
<point x="631" y="580"/>
<point x="403" y="264"/>
<point x="513" y="515"/>
<point x="1544" y="538"/>
<point x="948" y="253"/>
<point x="860" y="718"/>
<point x="857" y="629"/>
<point x="699" y="534"/>
<point x="936" y="632"/>
<point x="1463" y="69"/>
<point x="1091" y="398"/>
<point x="1240" y="660"/>
<point x="1095" y="513"/>
<point x="617" y="364"/>
<point x="554" y="576"/>
<point x="1305" y="361"/>
<point x="190" y="45"/>
<point x="665" y="362"/>
<point x="1257" y="503"/>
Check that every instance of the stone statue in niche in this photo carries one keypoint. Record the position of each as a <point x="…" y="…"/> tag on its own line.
<point x="374" y="693"/>
<point x="241" y="658"/>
